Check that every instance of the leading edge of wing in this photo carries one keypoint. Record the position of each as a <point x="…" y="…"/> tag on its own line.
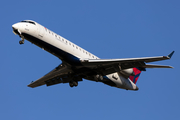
<point x="126" y="60"/>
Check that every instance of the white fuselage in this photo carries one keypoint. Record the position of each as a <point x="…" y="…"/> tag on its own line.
<point x="70" y="52"/>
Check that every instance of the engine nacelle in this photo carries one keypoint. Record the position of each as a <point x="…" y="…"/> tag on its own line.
<point x="128" y="72"/>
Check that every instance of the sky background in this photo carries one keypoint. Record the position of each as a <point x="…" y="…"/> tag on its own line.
<point x="106" y="28"/>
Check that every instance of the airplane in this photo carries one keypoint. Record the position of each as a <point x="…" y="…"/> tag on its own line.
<point x="78" y="64"/>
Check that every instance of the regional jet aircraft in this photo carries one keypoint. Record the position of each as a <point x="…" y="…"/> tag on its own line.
<point x="78" y="64"/>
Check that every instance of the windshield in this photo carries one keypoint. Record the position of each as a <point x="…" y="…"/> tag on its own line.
<point x="29" y="22"/>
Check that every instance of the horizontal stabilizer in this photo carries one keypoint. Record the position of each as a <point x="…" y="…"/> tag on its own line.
<point x="156" y="66"/>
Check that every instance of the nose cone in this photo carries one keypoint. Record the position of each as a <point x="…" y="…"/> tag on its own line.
<point x="15" y="26"/>
<point x="16" y="29"/>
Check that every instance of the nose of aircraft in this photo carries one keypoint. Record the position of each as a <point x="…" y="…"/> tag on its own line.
<point x="15" y="26"/>
<point x="16" y="29"/>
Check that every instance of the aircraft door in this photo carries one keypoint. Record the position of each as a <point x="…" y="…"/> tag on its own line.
<point x="41" y="31"/>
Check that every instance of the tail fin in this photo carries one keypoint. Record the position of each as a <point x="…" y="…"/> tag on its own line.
<point x="137" y="72"/>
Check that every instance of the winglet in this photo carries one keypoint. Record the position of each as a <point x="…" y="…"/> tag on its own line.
<point x="170" y="55"/>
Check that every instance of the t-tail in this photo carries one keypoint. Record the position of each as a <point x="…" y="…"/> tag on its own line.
<point x="137" y="72"/>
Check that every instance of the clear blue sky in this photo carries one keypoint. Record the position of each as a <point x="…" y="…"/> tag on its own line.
<point x="108" y="29"/>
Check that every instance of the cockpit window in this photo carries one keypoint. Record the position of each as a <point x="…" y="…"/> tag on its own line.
<point x="29" y="22"/>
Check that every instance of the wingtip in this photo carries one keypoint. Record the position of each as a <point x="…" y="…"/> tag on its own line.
<point x="171" y="67"/>
<point x="171" y="54"/>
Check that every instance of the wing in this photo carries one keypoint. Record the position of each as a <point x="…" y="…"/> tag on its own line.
<point x="108" y="66"/>
<point x="53" y="77"/>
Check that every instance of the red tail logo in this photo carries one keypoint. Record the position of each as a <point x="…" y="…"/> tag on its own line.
<point x="137" y="72"/>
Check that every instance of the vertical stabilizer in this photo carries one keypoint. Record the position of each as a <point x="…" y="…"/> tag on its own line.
<point x="137" y="72"/>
